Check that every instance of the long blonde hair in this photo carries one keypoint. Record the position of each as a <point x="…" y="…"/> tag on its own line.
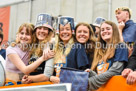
<point x="38" y="49"/>
<point x="102" y="53"/>
<point x="59" y="50"/>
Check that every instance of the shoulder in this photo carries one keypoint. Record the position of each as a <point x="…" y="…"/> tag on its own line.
<point x="2" y="51"/>
<point x="121" y="45"/>
<point x="121" y="52"/>
<point x="11" y="49"/>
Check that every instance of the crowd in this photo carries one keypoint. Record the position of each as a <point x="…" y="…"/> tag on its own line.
<point x="102" y="49"/>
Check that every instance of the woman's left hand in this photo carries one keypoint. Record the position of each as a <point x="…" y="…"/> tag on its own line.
<point x="48" y="54"/>
<point x="26" y="80"/>
<point x="55" y="79"/>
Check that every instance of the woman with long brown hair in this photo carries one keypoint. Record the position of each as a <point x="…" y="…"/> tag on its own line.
<point x="18" y="55"/>
<point x="110" y="56"/>
<point x="84" y="34"/>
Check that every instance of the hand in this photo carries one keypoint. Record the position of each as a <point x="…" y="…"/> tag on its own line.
<point x="121" y="26"/>
<point x="25" y="80"/>
<point x="126" y="72"/>
<point x="131" y="79"/>
<point x="48" y="54"/>
<point x="87" y="70"/>
<point x="55" y="79"/>
<point x="51" y="53"/>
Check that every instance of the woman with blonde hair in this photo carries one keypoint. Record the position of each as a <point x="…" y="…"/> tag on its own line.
<point x="18" y="55"/>
<point x="110" y="56"/>
<point x="42" y="36"/>
<point x="68" y="53"/>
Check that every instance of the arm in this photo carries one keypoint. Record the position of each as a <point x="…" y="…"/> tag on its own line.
<point x="38" y="78"/>
<point x="15" y="59"/>
<point x="48" y="71"/>
<point x="121" y="26"/>
<point x="98" y="80"/>
<point x="49" y="68"/>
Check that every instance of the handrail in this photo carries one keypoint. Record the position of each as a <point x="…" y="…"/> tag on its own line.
<point x="25" y="85"/>
<point x="117" y="83"/>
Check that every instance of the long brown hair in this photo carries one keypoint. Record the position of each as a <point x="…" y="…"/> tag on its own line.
<point x="92" y="39"/>
<point x="102" y="53"/>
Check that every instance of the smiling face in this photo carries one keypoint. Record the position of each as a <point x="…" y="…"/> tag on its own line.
<point x="106" y="32"/>
<point x="65" y="33"/>
<point x="24" y="37"/>
<point x="82" y="34"/>
<point x="42" y="33"/>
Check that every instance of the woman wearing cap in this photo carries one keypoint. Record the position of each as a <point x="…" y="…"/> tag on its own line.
<point x="68" y="53"/>
<point x="97" y="25"/>
<point x="85" y="35"/>
<point x="17" y="55"/>
<point x="42" y="36"/>
<point x="110" y="56"/>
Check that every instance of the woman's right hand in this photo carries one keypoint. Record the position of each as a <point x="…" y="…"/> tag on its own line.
<point x="131" y="78"/>
<point x="55" y="79"/>
<point x="125" y="72"/>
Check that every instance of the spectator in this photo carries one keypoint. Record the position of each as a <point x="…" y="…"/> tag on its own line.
<point x="84" y="34"/>
<point x="127" y="28"/>
<point x="43" y="33"/>
<point x="97" y="25"/>
<point x="17" y="55"/>
<point x="129" y="73"/>
<point x="2" y="51"/>
<point x="126" y="25"/>
<point x="68" y="53"/>
<point x="109" y="58"/>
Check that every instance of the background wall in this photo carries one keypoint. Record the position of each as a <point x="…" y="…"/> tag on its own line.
<point x="81" y="10"/>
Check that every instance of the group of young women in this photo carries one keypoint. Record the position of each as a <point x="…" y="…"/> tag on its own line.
<point x="74" y="47"/>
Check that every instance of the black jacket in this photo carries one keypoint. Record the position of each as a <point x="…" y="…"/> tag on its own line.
<point x="132" y="59"/>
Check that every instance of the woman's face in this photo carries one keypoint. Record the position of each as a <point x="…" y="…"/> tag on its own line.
<point x="42" y="33"/>
<point x="106" y="32"/>
<point x="82" y="34"/>
<point x="65" y="33"/>
<point x="24" y="37"/>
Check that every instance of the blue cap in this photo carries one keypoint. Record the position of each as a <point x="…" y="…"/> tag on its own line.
<point x="45" y="20"/>
<point x="65" y="20"/>
<point x="98" y="21"/>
